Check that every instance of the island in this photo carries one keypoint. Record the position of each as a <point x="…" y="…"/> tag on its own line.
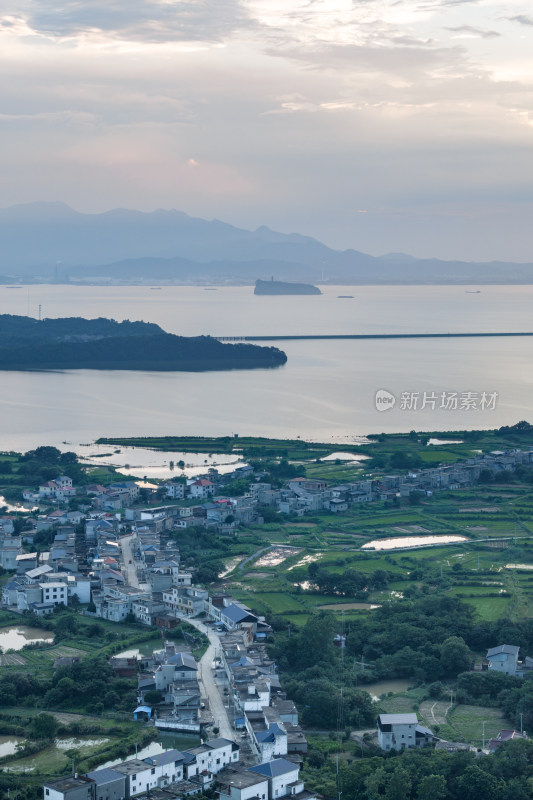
<point x="77" y="343"/>
<point x="283" y="287"/>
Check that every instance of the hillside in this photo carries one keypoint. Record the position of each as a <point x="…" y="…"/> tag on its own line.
<point x="76" y="343"/>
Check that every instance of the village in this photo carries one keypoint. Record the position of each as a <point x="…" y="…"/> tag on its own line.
<point x="116" y="559"/>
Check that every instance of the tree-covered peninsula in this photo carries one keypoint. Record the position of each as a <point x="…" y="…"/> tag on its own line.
<point x="77" y="343"/>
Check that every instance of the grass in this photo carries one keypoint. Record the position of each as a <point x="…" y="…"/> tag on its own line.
<point x="466" y="723"/>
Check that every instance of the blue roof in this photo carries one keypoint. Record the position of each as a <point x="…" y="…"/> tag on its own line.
<point x="244" y="661"/>
<point x="265" y="736"/>
<point x="279" y="766"/>
<point x="165" y="758"/>
<point x="270" y="734"/>
<point x="105" y="775"/>
<point x="183" y="661"/>
<point x="146" y="709"/>
<point x="237" y="614"/>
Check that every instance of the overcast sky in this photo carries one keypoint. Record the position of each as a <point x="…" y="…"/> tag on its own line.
<point x="383" y="125"/>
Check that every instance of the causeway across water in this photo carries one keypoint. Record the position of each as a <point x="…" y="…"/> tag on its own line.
<point x="459" y="335"/>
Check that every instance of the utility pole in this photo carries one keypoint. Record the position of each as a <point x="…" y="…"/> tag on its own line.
<point x="451" y="699"/>
<point x="483" y="736"/>
<point x="521" y="722"/>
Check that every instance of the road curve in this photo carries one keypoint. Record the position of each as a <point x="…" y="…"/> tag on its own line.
<point x="208" y="686"/>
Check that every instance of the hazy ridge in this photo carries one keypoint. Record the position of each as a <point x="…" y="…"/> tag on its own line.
<point x="52" y="242"/>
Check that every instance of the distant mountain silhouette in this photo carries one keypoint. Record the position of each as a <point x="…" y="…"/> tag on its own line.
<point x="43" y="241"/>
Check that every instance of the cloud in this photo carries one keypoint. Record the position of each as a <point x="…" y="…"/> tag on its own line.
<point x="522" y="19"/>
<point x="153" y="21"/>
<point x="471" y="30"/>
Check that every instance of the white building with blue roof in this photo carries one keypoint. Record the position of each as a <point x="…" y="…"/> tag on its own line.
<point x="283" y="777"/>
<point x="503" y="658"/>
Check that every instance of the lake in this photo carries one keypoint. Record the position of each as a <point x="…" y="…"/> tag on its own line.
<point x="326" y="391"/>
<point x="15" y="637"/>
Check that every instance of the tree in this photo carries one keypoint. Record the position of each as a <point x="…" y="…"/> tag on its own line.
<point x="399" y="786"/>
<point x="455" y="656"/>
<point x="153" y="697"/>
<point x="432" y="787"/>
<point x="475" y="783"/>
<point x="44" y="726"/>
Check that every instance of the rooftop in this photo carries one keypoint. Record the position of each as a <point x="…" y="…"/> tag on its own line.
<point x="398" y="719"/>
<point x="271" y="769"/>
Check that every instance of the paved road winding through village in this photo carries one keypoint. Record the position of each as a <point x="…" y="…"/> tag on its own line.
<point x="126" y="545"/>
<point x="208" y="686"/>
<point x="207" y="682"/>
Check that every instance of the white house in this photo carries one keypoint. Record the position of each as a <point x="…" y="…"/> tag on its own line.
<point x="55" y="593"/>
<point x="201" y="488"/>
<point x="401" y="731"/>
<point x="503" y="658"/>
<point x="282" y="775"/>
<point x="175" y="490"/>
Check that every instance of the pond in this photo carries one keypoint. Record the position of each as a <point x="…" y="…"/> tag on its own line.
<point x="444" y="441"/>
<point x="8" y="745"/>
<point x="400" y="542"/>
<point x="140" y="461"/>
<point x="346" y="457"/>
<point x="53" y="757"/>
<point x="166" y="741"/>
<point x="276" y="555"/>
<point x="17" y="507"/>
<point x="143" y="649"/>
<point x="379" y="688"/>
<point x="15" y="637"/>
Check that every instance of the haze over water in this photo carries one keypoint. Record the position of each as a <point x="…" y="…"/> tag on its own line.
<point x="325" y="391"/>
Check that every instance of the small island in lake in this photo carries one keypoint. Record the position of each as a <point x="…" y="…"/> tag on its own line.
<point x="283" y="287"/>
<point x="77" y="343"/>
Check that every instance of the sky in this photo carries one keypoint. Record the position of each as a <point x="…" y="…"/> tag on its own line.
<point x="382" y="125"/>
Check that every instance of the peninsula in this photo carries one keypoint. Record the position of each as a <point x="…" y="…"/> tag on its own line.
<point x="77" y="343"/>
<point x="283" y="287"/>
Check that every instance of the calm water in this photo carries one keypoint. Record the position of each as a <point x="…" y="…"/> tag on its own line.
<point x="325" y="391"/>
<point x="399" y="542"/>
<point x="16" y="637"/>
<point x="167" y="741"/>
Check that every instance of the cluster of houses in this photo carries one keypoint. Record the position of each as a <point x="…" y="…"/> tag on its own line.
<point x="261" y="710"/>
<point x="205" y="504"/>
<point x="41" y="581"/>
<point x="174" y="674"/>
<point x="175" y="774"/>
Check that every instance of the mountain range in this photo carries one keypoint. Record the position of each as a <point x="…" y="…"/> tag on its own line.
<point x="53" y="242"/>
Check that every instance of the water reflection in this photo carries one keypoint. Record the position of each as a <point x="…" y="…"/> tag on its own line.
<point x="399" y="542"/>
<point x="15" y="638"/>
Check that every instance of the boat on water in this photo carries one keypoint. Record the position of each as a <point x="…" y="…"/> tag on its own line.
<point x="13" y="287"/>
<point x="155" y="288"/>
<point x="473" y="291"/>
<point x="344" y="296"/>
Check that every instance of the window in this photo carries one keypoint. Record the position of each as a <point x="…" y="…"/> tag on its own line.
<point x="152" y="771"/>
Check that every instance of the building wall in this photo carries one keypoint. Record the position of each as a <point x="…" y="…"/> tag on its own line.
<point x="278" y="785"/>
